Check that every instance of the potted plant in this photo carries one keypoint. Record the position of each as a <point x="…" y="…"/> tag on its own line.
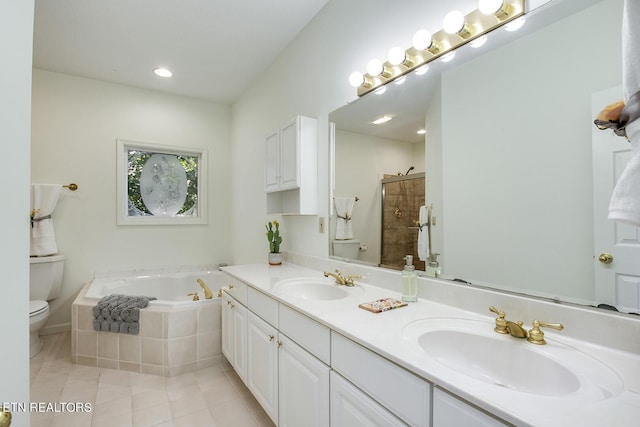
<point x="274" y="238"/>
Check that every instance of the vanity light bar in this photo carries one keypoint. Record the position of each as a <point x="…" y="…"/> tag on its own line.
<point x="476" y="25"/>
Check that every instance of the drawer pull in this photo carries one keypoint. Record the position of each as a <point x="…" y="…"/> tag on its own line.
<point x="271" y="337"/>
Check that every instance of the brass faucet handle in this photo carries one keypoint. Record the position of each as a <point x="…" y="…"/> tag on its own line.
<point x="194" y="295"/>
<point x="501" y="322"/>
<point x="536" y="336"/>
<point x="350" y="279"/>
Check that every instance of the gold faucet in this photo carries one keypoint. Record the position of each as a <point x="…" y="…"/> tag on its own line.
<point x="504" y="326"/>
<point x="207" y="292"/>
<point x="341" y="280"/>
<point x="536" y="336"/>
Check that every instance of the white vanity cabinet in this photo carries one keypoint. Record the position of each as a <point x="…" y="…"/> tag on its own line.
<point x="449" y="411"/>
<point x="234" y="334"/>
<point x="291" y="168"/>
<point x="262" y="364"/>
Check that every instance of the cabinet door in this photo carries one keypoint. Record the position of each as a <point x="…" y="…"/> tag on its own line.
<point x="304" y="387"/>
<point x="289" y="156"/>
<point x="227" y="328"/>
<point x="239" y="320"/>
<point x="449" y="411"/>
<point x="350" y="407"/>
<point x="262" y="366"/>
<point x="272" y="162"/>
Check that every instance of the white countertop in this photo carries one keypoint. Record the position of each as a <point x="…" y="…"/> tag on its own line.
<point x="389" y="334"/>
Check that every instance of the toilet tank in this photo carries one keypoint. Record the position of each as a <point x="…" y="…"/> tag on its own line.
<point x="346" y="248"/>
<point x="45" y="277"/>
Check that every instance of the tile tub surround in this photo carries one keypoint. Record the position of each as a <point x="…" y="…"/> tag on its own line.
<point x="170" y="342"/>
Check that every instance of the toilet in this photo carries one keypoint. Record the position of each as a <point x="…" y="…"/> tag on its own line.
<point x="45" y="282"/>
<point x="348" y="248"/>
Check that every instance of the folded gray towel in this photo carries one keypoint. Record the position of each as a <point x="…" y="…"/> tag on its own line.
<point x="119" y="313"/>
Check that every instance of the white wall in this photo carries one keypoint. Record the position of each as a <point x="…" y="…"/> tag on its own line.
<point x="311" y="77"/>
<point x="16" y="40"/>
<point x="518" y="185"/>
<point x="76" y="122"/>
<point x="361" y="162"/>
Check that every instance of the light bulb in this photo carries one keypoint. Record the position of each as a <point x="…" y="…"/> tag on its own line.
<point x="515" y="25"/>
<point x="375" y="67"/>
<point x="422" y="70"/>
<point x="380" y="90"/>
<point x="422" y="39"/>
<point x="448" y="57"/>
<point x="479" y="42"/>
<point x="356" y="79"/>
<point x="490" y="7"/>
<point x="400" y="80"/>
<point x="453" y="22"/>
<point x="396" y="55"/>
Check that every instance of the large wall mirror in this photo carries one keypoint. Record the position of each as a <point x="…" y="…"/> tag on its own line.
<point x="510" y="158"/>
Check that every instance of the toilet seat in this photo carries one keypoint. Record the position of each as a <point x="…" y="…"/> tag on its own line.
<point x="37" y="307"/>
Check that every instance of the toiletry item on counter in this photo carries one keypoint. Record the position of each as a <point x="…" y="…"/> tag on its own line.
<point x="433" y="267"/>
<point x="380" y="305"/>
<point x="409" y="281"/>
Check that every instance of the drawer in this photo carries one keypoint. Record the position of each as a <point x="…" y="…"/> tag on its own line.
<point x="397" y="389"/>
<point x="263" y="305"/>
<point x="309" y="334"/>
<point x="236" y="288"/>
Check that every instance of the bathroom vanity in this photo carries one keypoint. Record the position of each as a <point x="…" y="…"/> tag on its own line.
<point x="312" y="357"/>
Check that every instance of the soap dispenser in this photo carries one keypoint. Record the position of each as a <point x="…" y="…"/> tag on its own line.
<point x="409" y="281"/>
<point x="433" y="268"/>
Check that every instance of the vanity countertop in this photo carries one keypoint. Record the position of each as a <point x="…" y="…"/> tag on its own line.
<point x="389" y="334"/>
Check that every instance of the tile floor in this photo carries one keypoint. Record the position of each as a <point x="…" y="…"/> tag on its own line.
<point x="212" y="396"/>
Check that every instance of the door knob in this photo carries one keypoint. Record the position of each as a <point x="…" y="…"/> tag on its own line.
<point x="605" y="258"/>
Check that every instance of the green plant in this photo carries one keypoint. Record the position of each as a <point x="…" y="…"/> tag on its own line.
<point x="273" y="236"/>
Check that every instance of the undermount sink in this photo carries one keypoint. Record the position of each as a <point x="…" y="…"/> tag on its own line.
<point x="312" y="288"/>
<point x="472" y="348"/>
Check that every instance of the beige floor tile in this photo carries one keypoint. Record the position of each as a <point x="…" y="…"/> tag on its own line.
<point x="151" y="416"/>
<point x="187" y="404"/>
<point x="196" y="419"/>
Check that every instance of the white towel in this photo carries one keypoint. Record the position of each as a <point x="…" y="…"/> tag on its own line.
<point x="43" y="201"/>
<point x="344" y="209"/>
<point x="625" y="201"/>
<point x="423" y="234"/>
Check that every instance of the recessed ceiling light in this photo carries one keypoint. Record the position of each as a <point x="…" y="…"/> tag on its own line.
<point x="162" y="72"/>
<point x="381" y="120"/>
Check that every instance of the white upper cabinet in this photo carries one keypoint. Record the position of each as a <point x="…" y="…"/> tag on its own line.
<point x="291" y="170"/>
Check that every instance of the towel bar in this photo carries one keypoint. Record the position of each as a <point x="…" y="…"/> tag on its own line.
<point x="72" y="186"/>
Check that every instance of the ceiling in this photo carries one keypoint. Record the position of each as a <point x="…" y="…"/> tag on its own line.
<point x="215" y="48"/>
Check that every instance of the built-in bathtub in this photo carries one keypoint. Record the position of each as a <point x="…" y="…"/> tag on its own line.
<point x="176" y="334"/>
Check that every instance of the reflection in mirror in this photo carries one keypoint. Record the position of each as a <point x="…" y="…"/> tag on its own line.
<point x="160" y="184"/>
<point x="508" y="159"/>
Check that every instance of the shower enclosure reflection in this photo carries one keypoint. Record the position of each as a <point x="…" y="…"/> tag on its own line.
<point x="402" y="197"/>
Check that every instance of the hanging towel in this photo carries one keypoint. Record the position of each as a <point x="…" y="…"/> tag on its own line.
<point x="344" y="209"/>
<point x="423" y="234"/>
<point x="43" y="201"/>
<point x="625" y="201"/>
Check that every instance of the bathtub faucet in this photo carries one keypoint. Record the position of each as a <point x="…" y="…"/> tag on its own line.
<point x="207" y="292"/>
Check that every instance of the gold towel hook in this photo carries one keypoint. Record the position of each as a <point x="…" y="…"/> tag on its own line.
<point x="72" y="186"/>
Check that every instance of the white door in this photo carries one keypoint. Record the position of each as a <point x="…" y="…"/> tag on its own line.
<point x="239" y="316"/>
<point x="272" y="162"/>
<point x="227" y="328"/>
<point x="303" y="389"/>
<point x="618" y="281"/>
<point x="290" y="155"/>
<point x="262" y="364"/>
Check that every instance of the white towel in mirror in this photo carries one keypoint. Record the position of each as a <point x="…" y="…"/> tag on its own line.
<point x="44" y="198"/>
<point x="423" y="234"/>
<point x="344" y="209"/>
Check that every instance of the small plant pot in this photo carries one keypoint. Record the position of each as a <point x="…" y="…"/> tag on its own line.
<point x="275" y="258"/>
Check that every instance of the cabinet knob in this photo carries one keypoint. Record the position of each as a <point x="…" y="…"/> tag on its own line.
<point x="271" y="337"/>
<point x="230" y="287"/>
<point x="279" y="343"/>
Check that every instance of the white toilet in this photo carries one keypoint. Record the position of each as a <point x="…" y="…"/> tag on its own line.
<point x="348" y="248"/>
<point x="45" y="282"/>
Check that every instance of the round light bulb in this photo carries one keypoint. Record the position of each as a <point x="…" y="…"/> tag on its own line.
<point x="422" y="39"/>
<point x="515" y="25"/>
<point x="422" y="70"/>
<point x="375" y="67"/>
<point x="453" y="22"/>
<point x="356" y="79"/>
<point x="396" y="56"/>
<point x="162" y="72"/>
<point x="490" y="7"/>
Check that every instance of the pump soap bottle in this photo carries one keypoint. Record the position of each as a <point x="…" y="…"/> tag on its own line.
<point x="409" y="281"/>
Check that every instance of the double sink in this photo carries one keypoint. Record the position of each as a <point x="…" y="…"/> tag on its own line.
<point x="469" y="350"/>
